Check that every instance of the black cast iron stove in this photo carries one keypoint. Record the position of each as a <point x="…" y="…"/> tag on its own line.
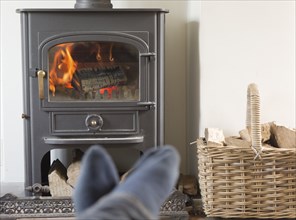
<point x="92" y="75"/>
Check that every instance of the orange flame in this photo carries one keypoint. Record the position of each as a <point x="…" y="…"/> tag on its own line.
<point x="63" y="68"/>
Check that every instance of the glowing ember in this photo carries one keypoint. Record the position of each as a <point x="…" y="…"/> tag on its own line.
<point x="109" y="91"/>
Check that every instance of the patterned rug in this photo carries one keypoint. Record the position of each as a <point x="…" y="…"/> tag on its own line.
<point x="12" y="207"/>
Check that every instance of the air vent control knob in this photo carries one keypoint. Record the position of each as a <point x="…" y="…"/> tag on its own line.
<point x="94" y="122"/>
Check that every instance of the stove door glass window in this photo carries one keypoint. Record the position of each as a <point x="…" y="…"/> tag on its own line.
<point x="93" y="71"/>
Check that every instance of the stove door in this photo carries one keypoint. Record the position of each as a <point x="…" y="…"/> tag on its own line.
<point x="107" y="68"/>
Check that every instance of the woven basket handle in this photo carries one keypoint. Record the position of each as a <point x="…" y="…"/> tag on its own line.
<point x="253" y="122"/>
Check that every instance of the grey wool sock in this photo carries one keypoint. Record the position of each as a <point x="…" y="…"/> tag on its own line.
<point x="98" y="177"/>
<point x="152" y="178"/>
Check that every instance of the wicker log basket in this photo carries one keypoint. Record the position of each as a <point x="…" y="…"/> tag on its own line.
<point x="256" y="182"/>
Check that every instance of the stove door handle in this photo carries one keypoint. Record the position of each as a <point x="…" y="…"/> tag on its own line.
<point x="41" y="74"/>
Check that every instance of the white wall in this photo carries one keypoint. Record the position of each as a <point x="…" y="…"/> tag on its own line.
<point x="243" y="42"/>
<point x="214" y="49"/>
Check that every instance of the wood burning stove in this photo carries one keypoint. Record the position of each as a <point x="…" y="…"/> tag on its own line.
<point x="92" y="75"/>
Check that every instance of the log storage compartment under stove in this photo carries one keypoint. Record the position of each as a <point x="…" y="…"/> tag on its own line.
<point x="91" y="76"/>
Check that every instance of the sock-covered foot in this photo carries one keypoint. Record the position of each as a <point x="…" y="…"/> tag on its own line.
<point x="98" y="176"/>
<point x="153" y="177"/>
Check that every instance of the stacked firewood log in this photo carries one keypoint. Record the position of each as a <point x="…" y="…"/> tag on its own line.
<point x="273" y="135"/>
<point x="62" y="180"/>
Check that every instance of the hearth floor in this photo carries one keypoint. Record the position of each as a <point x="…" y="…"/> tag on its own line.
<point x="17" y="189"/>
<point x="72" y="218"/>
<point x="190" y="218"/>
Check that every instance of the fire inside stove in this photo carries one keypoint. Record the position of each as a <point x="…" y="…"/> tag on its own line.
<point x="93" y="71"/>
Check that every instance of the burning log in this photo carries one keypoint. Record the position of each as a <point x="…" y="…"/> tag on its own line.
<point x="94" y="79"/>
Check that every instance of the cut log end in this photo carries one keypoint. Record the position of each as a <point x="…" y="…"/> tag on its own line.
<point x="57" y="180"/>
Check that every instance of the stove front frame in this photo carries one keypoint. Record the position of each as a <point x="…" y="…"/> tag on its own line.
<point x="146" y="127"/>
